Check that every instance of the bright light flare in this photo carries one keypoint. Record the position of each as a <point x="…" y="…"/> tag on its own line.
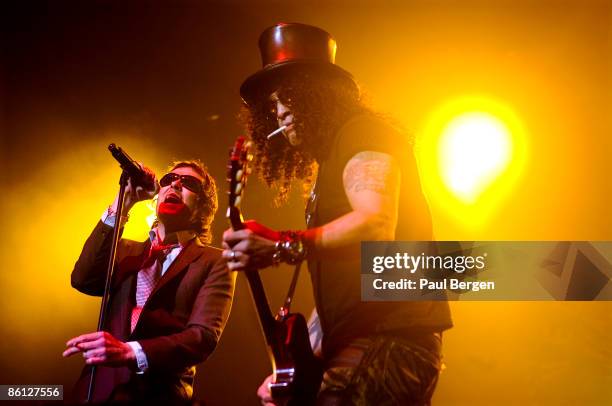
<point x="142" y="217"/>
<point x="474" y="149"/>
<point x="471" y="151"/>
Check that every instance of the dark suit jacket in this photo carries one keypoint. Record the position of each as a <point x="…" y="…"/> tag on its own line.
<point x="180" y="323"/>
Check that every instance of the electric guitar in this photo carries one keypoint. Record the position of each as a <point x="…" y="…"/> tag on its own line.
<point x="297" y="373"/>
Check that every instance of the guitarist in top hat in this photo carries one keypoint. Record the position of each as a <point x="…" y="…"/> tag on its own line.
<point x="365" y="187"/>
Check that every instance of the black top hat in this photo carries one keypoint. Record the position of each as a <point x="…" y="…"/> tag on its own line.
<point x="287" y="47"/>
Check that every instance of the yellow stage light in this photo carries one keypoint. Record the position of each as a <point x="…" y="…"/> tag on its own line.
<point x="471" y="151"/>
<point x="474" y="149"/>
<point x="142" y="216"/>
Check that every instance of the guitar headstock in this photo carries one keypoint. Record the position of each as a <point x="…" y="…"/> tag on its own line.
<point x="238" y="170"/>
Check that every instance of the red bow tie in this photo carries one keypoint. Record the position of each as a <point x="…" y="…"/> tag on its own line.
<point x="157" y="250"/>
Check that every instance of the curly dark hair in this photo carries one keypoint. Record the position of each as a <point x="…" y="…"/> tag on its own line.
<point x="320" y="106"/>
<point x="207" y="198"/>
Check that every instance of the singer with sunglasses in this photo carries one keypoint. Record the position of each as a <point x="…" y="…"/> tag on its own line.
<point x="170" y="295"/>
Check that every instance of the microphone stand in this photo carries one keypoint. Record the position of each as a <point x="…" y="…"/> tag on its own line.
<point x="123" y="180"/>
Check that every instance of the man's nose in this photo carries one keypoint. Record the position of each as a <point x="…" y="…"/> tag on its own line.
<point x="282" y="112"/>
<point x="177" y="184"/>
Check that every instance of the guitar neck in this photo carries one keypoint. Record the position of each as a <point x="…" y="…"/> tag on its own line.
<point x="261" y="304"/>
<point x="257" y="289"/>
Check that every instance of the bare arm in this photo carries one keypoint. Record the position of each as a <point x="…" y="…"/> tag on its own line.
<point x="372" y="185"/>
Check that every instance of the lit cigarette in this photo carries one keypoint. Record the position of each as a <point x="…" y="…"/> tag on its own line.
<point x="278" y="130"/>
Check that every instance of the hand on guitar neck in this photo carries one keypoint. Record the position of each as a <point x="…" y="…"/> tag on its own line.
<point x="247" y="245"/>
<point x="251" y="247"/>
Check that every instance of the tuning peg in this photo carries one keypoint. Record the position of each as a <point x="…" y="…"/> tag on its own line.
<point x="237" y="201"/>
<point x="238" y="188"/>
<point x="239" y="174"/>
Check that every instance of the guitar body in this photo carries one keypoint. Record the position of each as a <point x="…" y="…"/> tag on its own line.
<point x="297" y="371"/>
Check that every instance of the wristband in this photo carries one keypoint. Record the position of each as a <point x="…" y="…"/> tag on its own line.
<point x="289" y="248"/>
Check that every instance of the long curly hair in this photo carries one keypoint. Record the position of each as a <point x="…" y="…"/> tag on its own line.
<point x="320" y="106"/>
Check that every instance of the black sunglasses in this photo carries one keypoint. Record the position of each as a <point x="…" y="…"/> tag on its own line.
<point x="189" y="182"/>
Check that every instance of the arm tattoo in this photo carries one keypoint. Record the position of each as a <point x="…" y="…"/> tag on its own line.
<point x="373" y="171"/>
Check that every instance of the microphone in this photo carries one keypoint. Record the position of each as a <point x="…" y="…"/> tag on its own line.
<point x="134" y="170"/>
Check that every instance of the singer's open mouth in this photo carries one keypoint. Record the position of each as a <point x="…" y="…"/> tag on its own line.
<point x="172" y="199"/>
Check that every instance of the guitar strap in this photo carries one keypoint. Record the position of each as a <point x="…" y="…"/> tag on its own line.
<point x="311" y="209"/>
<point x="284" y="310"/>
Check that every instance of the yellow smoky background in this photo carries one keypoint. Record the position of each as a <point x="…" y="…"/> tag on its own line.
<point x="162" y="84"/>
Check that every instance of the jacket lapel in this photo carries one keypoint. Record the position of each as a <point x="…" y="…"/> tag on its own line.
<point x="124" y="286"/>
<point x="187" y="256"/>
<point x="131" y="263"/>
